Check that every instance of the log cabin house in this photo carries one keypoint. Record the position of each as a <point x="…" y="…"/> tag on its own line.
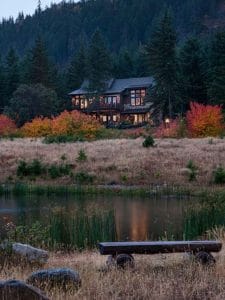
<point x="122" y="101"/>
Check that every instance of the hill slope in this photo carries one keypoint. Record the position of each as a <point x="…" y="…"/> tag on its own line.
<point x="125" y="23"/>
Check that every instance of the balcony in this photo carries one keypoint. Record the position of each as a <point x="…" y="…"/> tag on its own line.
<point x="128" y="108"/>
<point x="97" y="106"/>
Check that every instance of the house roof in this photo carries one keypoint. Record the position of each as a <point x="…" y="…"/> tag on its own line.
<point x="114" y="86"/>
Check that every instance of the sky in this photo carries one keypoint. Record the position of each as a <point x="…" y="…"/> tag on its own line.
<point x="13" y="7"/>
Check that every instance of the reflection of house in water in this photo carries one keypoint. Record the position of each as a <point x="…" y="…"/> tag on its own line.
<point x="148" y="219"/>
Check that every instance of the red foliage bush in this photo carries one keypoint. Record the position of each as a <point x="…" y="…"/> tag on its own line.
<point x="175" y="129"/>
<point x="7" y="126"/>
<point x="204" y="120"/>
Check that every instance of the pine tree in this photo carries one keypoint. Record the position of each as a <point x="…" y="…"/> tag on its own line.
<point x="192" y="85"/>
<point x="162" y="60"/>
<point x="40" y="70"/>
<point x="2" y="87"/>
<point x="77" y="70"/>
<point x="99" y="63"/>
<point x="12" y="77"/>
<point x="125" y="65"/>
<point x="216" y="84"/>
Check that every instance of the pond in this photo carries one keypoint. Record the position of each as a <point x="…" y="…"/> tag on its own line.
<point x="83" y="221"/>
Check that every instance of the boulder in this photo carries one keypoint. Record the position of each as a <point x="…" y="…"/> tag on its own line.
<point x="31" y="254"/>
<point x="19" y="290"/>
<point x="50" y="278"/>
<point x="21" y="252"/>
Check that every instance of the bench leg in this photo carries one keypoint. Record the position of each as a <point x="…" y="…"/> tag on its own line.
<point x="205" y="258"/>
<point x="125" y="261"/>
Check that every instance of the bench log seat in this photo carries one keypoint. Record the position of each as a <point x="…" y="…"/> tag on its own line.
<point x="122" y="251"/>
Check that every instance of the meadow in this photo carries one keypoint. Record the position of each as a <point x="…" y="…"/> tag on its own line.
<point x="117" y="161"/>
<point x="160" y="277"/>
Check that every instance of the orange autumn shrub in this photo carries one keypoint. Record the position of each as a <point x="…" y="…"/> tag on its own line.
<point x="204" y="120"/>
<point x="75" y="123"/>
<point x="38" y="127"/>
<point x="175" y="129"/>
<point x="7" y="126"/>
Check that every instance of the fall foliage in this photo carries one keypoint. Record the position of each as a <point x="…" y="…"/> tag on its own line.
<point x="7" y="126"/>
<point x="38" y="127"/>
<point x="71" y="123"/>
<point x="204" y="120"/>
<point x="175" y="129"/>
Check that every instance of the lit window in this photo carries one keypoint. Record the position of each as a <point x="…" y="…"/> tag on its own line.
<point x="104" y="118"/>
<point x="137" y="97"/>
<point x="114" y="118"/>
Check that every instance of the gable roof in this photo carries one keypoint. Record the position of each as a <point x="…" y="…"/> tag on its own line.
<point x="114" y="86"/>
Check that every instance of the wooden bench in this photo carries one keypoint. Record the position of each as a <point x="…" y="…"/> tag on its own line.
<point x="121" y="252"/>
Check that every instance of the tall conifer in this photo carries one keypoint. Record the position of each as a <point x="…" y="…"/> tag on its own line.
<point x="77" y="71"/>
<point x="12" y="78"/>
<point x="99" y="63"/>
<point x="216" y="84"/>
<point x="39" y="67"/>
<point x="193" y="85"/>
<point x="162" y="60"/>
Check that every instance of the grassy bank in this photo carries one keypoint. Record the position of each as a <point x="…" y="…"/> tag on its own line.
<point x="154" y="277"/>
<point x="121" y="162"/>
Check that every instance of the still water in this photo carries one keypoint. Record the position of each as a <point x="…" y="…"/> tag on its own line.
<point x="84" y="221"/>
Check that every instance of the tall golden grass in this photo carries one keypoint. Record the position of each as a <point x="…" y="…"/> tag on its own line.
<point x="158" y="277"/>
<point x="124" y="161"/>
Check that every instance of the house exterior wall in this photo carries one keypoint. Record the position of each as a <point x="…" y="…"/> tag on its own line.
<point x="116" y="108"/>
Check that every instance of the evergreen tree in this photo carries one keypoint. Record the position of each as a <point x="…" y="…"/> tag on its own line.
<point x="77" y="70"/>
<point x="216" y="84"/>
<point x="2" y="87"/>
<point x="141" y="65"/>
<point x="12" y="77"/>
<point x="39" y="70"/>
<point x="30" y="101"/>
<point x="192" y="85"/>
<point x="99" y="63"/>
<point x="162" y="60"/>
<point x="125" y="65"/>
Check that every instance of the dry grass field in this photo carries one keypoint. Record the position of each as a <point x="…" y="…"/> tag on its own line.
<point x="122" y="161"/>
<point x="158" y="277"/>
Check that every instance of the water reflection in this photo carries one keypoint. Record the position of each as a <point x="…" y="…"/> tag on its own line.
<point x="84" y="221"/>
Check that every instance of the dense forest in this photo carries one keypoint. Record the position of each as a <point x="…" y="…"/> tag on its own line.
<point x="124" y="24"/>
<point x="45" y="56"/>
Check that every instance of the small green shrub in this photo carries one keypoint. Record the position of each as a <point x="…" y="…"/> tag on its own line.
<point x="35" y="168"/>
<point x="63" y="157"/>
<point x="219" y="175"/>
<point x="193" y="170"/>
<point x="84" y="178"/>
<point x="149" y="142"/>
<point x="82" y="157"/>
<point x="35" y="234"/>
<point x="56" y="171"/>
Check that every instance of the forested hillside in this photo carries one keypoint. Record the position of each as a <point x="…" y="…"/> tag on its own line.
<point x="124" y="24"/>
<point x="181" y="44"/>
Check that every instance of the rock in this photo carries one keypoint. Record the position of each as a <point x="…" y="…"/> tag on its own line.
<point x="21" y="253"/>
<point x="19" y="290"/>
<point x="31" y="254"/>
<point x="62" y="278"/>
